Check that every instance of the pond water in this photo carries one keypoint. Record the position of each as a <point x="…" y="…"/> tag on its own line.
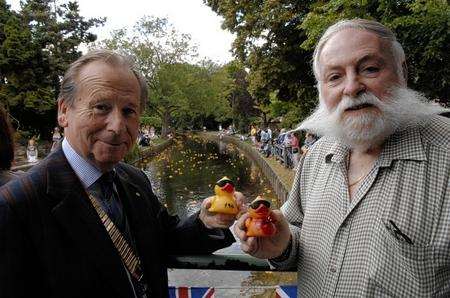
<point x="182" y="176"/>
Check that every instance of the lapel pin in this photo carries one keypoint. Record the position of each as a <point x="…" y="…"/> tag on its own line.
<point x="138" y="194"/>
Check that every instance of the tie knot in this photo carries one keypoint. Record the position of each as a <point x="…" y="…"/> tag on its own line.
<point x="107" y="178"/>
<point x="106" y="184"/>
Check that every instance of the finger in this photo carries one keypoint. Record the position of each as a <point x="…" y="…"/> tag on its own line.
<point x="241" y="221"/>
<point x="252" y="245"/>
<point x="245" y="247"/>
<point x="224" y="221"/>
<point x="240" y="198"/>
<point x="241" y="234"/>
<point x="277" y="216"/>
<point x="252" y="242"/>
<point x="248" y="246"/>
<point x="206" y="204"/>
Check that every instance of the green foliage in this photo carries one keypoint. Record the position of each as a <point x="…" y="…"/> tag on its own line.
<point x="151" y="121"/>
<point x="36" y="46"/>
<point x="267" y="43"/>
<point x="181" y="94"/>
<point x="243" y="105"/>
<point x="133" y="155"/>
<point x="275" y="40"/>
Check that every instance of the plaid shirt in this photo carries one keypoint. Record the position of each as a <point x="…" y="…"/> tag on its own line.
<point x="393" y="237"/>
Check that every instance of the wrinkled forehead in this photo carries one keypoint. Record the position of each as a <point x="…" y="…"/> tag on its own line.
<point x="99" y="76"/>
<point x="110" y="72"/>
<point x="350" y="45"/>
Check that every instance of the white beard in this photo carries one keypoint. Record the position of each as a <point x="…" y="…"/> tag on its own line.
<point x="404" y="107"/>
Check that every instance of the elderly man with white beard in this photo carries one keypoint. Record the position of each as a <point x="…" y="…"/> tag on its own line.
<point x="369" y="211"/>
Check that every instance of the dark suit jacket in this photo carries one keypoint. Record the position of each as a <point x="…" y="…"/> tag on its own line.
<point x="52" y="243"/>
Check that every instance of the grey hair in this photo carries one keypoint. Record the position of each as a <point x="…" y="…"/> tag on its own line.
<point x="69" y="83"/>
<point x="368" y="25"/>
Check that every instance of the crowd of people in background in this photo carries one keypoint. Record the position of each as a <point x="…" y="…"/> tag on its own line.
<point x="285" y="146"/>
<point x="146" y="135"/>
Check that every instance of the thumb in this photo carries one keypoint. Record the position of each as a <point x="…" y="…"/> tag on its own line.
<point x="277" y="217"/>
<point x="208" y="205"/>
<point x="207" y="202"/>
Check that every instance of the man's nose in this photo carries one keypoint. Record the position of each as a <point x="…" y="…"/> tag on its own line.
<point x="116" y="121"/>
<point x="353" y="86"/>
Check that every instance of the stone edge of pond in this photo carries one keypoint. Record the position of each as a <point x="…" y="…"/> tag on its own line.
<point x="280" y="188"/>
<point x="152" y="150"/>
<point x="146" y="152"/>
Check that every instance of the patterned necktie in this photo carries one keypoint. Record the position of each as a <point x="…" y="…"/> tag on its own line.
<point x="110" y="201"/>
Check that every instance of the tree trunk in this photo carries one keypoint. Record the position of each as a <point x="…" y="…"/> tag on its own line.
<point x="264" y="119"/>
<point x="165" y="124"/>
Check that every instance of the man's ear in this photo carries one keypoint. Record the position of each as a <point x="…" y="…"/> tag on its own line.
<point x="405" y="72"/>
<point x="62" y="113"/>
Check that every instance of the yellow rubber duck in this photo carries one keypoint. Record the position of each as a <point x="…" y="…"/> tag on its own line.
<point x="224" y="201"/>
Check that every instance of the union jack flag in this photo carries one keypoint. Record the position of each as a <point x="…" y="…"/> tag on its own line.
<point x="191" y="292"/>
<point x="286" y="292"/>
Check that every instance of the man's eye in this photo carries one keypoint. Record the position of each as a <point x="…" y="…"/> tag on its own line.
<point x="333" y="77"/>
<point x="101" y="108"/>
<point x="129" y="111"/>
<point x="371" y="69"/>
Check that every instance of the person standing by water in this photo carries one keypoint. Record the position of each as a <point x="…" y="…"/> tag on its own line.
<point x="56" y="138"/>
<point x="32" y="151"/>
<point x="295" y="144"/>
<point x="253" y="134"/>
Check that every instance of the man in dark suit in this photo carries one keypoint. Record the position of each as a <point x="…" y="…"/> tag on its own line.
<point x="84" y="224"/>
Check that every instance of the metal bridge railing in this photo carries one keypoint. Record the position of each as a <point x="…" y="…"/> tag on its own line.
<point x="230" y="258"/>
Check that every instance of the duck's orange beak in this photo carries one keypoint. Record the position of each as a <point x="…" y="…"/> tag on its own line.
<point x="228" y="188"/>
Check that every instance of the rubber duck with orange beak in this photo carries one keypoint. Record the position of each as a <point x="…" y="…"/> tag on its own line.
<point x="224" y="201"/>
<point x="259" y="224"/>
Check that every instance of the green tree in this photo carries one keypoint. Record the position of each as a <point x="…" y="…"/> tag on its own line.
<point x="181" y="92"/>
<point x="160" y="51"/>
<point x="275" y="40"/>
<point x="244" y="106"/>
<point x="267" y="43"/>
<point x="37" y="45"/>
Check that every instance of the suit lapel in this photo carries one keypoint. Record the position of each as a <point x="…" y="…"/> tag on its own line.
<point x="75" y="213"/>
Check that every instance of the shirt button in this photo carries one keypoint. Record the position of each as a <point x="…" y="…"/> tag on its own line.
<point x="333" y="269"/>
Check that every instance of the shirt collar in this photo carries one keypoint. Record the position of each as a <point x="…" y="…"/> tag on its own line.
<point x="405" y="144"/>
<point x="86" y="172"/>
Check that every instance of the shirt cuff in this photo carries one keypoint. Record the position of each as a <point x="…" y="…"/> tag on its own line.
<point x="285" y="254"/>
<point x="289" y="258"/>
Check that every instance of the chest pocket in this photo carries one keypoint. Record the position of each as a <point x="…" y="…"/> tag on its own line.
<point x="398" y="267"/>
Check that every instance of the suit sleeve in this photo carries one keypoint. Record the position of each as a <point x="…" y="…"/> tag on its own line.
<point x="190" y="236"/>
<point x="18" y="276"/>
